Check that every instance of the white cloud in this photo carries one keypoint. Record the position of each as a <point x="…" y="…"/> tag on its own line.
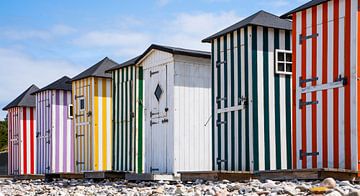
<point x="19" y="70"/>
<point x="162" y="3"/>
<point x="188" y="29"/>
<point x="42" y="34"/>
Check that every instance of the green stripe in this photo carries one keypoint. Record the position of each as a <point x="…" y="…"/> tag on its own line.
<point x="277" y="108"/>
<point x="255" y="99"/>
<point x="140" y="121"/>
<point x="121" y="120"/>
<point x="117" y="121"/>
<point x="266" y="99"/>
<point x="247" y="143"/>
<point x="239" y="96"/>
<point x="131" y="121"/>
<point x="288" y="105"/>
<point x="226" y="104"/>
<point x="219" y="105"/>
<point x="232" y="102"/>
<point x="126" y="118"/>
<point x="213" y="103"/>
<point x="113" y="121"/>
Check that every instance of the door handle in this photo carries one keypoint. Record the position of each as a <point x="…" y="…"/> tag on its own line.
<point x="153" y="123"/>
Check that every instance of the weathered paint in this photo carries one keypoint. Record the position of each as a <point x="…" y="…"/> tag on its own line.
<point x="177" y="134"/>
<point x="128" y="119"/>
<point x="54" y="135"/>
<point x="21" y="138"/>
<point x="330" y="127"/>
<point x="93" y="126"/>
<point x="259" y="136"/>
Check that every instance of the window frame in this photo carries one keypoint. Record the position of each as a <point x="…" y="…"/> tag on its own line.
<point x="285" y="62"/>
<point x="70" y="110"/>
<point x="82" y="99"/>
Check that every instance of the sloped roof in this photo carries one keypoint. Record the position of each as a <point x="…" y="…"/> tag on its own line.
<point x="97" y="70"/>
<point x="25" y="99"/>
<point x="303" y="7"/>
<point x="125" y="64"/>
<point x="169" y="49"/>
<point x="260" y="18"/>
<point x="60" y="84"/>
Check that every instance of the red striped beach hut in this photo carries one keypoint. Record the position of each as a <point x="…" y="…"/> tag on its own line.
<point x="21" y="133"/>
<point x="54" y="133"/>
<point x="325" y="84"/>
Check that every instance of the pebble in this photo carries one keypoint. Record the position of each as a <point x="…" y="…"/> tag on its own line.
<point x="328" y="187"/>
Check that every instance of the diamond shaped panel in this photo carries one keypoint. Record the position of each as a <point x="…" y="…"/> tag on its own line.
<point x="158" y="92"/>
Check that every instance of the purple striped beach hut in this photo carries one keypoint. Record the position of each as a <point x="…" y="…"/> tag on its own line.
<point x="54" y="135"/>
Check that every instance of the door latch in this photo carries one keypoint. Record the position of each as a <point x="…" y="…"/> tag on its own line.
<point x="153" y="123"/>
<point x="154" y="113"/>
<point x="153" y="73"/>
<point x="165" y="120"/>
<point x="303" y="154"/>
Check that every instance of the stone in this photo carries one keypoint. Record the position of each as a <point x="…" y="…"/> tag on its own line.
<point x="303" y="188"/>
<point x="354" y="193"/>
<point x="329" y="183"/>
<point x="318" y="190"/>
<point x="179" y="191"/>
<point x="345" y="183"/>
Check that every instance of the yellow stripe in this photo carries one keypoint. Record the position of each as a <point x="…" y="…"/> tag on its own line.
<point x="90" y="129"/>
<point x="111" y="131"/>
<point x="85" y="120"/>
<point x="104" y="117"/>
<point x="96" y="128"/>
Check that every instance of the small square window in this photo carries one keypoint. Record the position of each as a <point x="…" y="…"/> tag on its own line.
<point x="70" y="111"/>
<point x="283" y="62"/>
<point x="82" y="104"/>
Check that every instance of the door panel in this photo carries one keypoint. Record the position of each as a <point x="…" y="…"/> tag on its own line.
<point x="157" y="113"/>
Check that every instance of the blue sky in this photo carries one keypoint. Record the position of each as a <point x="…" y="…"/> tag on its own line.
<point x="42" y="40"/>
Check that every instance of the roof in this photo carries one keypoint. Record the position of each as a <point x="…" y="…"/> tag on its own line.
<point x="303" y="7"/>
<point x="25" y="99"/>
<point x="125" y="64"/>
<point x="60" y="84"/>
<point x="260" y="18"/>
<point x="97" y="70"/>
<point x="169" y="49"/>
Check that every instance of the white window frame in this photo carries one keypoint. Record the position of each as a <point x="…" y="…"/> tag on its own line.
<point x="277" y="51"/>
<point x="70" y="108"/>
<point x="82" y="99"/>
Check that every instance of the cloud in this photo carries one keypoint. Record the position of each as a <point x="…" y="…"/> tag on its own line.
<point x="162" y="3"/>
<point x="20" y="70"/>
<point x="41" y="34"/>
<point x="188" y="29"/>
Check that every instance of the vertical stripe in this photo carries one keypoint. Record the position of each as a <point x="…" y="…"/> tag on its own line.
<point x="336" y="91"/>
<point x="104" y="124"/>
<point x="255" y="99"/>
<point x="324" y="81"/>
<point x="313" y="95"/>
<point x="303" y="76"/>
<point x="347" y="72"/>
<point x="219" y="119"/>
<point x="212" y="105"/>
<point x="247" y="127"/>
<point x="96" y="124"/>
<point x="288" y="105"/>
<point x="24" y="140"/>
<point x="140" y="153"/>
<point x="239" y="95"/>
<point x="266" y="99"/>
<point x="277" y="106"/>
<point x="232" y="92"/>
<point x="32" y="149"/>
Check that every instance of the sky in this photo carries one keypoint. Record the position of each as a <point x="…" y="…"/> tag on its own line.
<point x="42" y="40"/>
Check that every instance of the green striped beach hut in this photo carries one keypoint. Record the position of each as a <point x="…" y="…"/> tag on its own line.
<point x="251" y="94"/>
<point x="127" y="117"/>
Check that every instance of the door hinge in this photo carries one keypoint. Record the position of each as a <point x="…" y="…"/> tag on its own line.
<point x="77" y="97"/>
<point x="304" y="103"/>
<point x="48" y="142"/>
<point x="303" y="154"/>
<point x="165" y="120"/>
<point x="154" y="169"/>
<point x="79" y="135"/>
<point x="302" y="38"/>
<point x="153" y="123"/>
<point x="79" y="163"/>
<point x="218" y="63"/>
<point x="153" y="73"/>
<point x="153" y="114"/>
<point x="220" y="123"/>
<point x="220" y="161"/>
<point x="302" y="81"/>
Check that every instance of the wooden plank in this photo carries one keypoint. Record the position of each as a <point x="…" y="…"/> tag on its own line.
<point x="104" y="175"/>
<point x="28" y="177"/>
<point x="151" y="177"/>
<point x="217" y="176"/>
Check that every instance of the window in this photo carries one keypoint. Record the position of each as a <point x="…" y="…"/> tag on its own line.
<point x="70" y="111"/>
<point x="82" y="104"/>
<point x="283" y="62"/>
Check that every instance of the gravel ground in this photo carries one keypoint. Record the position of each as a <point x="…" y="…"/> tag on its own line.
<point x="254" y="187"/>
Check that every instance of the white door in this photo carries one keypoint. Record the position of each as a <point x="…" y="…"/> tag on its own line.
<point x="156" y="92"/>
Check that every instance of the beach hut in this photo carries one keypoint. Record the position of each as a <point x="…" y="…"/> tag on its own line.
<point x="92" y="102"/>
<point x="128" y="117"/>
<point x="177" y="108"/>
<point x="54" y="133"/>
<point x="326" y="84"/>
<point x="21" y="134"/>
<point x="251" y="94"/>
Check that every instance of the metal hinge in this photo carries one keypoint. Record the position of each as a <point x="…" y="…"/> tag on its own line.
<point x="301" y="81"/>
<point x="219" y="161"/>
<point x="79" y="135"/>
<point x="154" y="113"/>
<point x="218" y="63"/>
<point x="154" y="169"/>
<point x="220" y="123"/>
<point x="48" y="142"/>
<point x="153" y="123"/>
<point x="37" y="134"/>
<point x="79" y="163"/>
<point x="302" y="38"/>
<point x="165" y="120"/>
<point x="77" y="97"/>
<point x="48" y="168"/>
<point x="305" y="103"/>
<point x="303" y="154"/>
<point x="153" y="73"/>
<point x="218" y="99"/>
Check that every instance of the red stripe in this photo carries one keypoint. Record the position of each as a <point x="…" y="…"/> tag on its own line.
<point x="313" y="95"/>
<point x="32" y="163"/>
<point x="303" y="75"/>
<point x="24" y="140"/>
<point x="336" y="91"/>
<point x="347" y="87"/>
<point x="358" y="85"/>
<point x="294" y="75"/>
<point x="324" y="81"/>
